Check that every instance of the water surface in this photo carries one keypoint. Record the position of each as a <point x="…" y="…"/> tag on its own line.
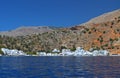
<point x="59" y="67"/>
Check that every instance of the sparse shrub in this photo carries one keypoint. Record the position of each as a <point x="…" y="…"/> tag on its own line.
<point x="118" y="30"/>
<point x="94" y="29"/>
<point x="106" y="45"/>
<point x="0" y="50"/>
<point x="111" y="39"/>
<point x="111" y="27"/>
<point x="112" y="47"/>
<point x="98" y="39"/>
<point x="48" y="51"/>
<point x="89" y="32"/>
<point x="118" y="21"/>
<point x="74" y="48"/>
<point x="116" y="39"/>
<point x="101" y="40"/>
<point x="96" y="48"/>
<point x="104" y="32"/>
<point x="86" y="29"/>
<point x="105" y="24"/>
<point x="112" y="23"/>
<point x="102" y="47"/>
<point x="31" y="53"/>
<point x="63" y="47"/>
<point x="119" y="17"/>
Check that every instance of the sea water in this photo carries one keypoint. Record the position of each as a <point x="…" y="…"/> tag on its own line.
<point x="59" y="67"/>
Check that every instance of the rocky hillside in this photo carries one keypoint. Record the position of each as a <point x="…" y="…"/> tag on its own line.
<point x="110" y="16"/>
<point x="23" y="31"/>
<point x="95" y="34"/>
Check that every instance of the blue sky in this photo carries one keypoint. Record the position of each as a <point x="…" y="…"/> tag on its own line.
<point x="16" y="13"/>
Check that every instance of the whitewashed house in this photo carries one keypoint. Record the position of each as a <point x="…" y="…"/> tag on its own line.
<point x="56" y="50"/>
<point x="13" y="52"/>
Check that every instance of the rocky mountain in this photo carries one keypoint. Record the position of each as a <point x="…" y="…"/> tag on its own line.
<point x="102" y="32"/>
<point x="23" y="31"/>
<point x="110" y="16"/>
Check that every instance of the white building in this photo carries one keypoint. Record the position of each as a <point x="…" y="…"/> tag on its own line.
<point x="100" y="53"/>
<point x="41" y="53"/>
<point x="81" y="52"/>
<point x="56" y="50"/>
<point x="13" y="52"/>
<point x="65" y="52"/>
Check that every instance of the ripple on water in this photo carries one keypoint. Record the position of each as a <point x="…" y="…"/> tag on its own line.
<point x="59" y="67"/>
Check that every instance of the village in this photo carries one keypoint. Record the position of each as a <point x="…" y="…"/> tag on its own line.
<point x="64" y="52"/>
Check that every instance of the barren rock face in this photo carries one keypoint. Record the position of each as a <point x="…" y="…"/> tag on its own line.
<point x="104" y="18"/>
<point x="23" y="31"/>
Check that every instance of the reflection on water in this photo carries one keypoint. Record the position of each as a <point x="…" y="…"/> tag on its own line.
<point x="59" y="67"/>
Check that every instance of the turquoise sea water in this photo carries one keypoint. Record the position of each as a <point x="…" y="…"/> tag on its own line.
<point x="59" y="67"/>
